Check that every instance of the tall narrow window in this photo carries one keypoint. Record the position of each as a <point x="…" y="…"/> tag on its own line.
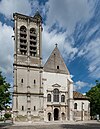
<point x="56" y="95"/>
<point x="34" y="108"/>
<point x="33" y="42"/>
<point x="57" y="67"/>
<point x="22" y="80"/>
<point x="34" y="82"/>
<point x="75" y="105"/>
<point x="49" y="98"/>
<point x="62" y="98"/>
<point x="22" y="108"/>
<point x="49" y="116"/>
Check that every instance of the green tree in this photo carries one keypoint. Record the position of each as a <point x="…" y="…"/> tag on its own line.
<point x="94" y="95"/>
<point x="4" y="92"/>
<point x="7" y="115"/>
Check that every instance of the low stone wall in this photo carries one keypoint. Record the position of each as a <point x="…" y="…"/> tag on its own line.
<point x="81" y="115"/>
<point x="21" y="118"/>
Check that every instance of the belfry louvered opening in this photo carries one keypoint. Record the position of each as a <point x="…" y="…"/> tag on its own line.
<point x="23" y="40"/>
<point x="33" y="42"/>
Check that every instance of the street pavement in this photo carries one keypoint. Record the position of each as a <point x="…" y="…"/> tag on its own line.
<point x="52" y="125"/>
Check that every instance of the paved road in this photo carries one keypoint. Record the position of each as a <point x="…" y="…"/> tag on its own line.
<point x="54" y="126"/>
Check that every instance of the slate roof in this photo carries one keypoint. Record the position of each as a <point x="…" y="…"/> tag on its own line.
<point x="78" y="96"/>
<point x="55" y="63"/>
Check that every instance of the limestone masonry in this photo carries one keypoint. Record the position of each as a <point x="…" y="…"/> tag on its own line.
<point x="42" y="93"/>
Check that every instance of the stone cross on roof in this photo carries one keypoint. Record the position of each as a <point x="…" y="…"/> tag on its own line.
<point x="56" y="44"/>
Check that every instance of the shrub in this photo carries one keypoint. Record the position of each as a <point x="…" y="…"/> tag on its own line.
<point x="7" y="115"/>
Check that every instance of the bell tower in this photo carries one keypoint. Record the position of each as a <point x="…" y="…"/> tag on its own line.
<point x="28" y="33"/>
<point x="27" y="66"/>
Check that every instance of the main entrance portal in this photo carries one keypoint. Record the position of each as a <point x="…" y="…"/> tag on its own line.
<point x="56" y="114"/>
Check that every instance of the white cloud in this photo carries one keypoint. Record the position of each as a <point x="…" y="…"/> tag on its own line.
<point x="71" y="76"/>
<point x="6" y="49"/>
<point x="79" y="84"/>
<point x="8" y="7"/>
<point x="84" y="93"/>
<point x="64" y="15"/>
<point x="68" y="12"/>
<point x="92" y="31"/>
<point x="91" y="68"/>
<point x="81" y="52"/>
<point x="69" y="51"/>
<point x="51" y="38"/>
<point x="91" y="53"/>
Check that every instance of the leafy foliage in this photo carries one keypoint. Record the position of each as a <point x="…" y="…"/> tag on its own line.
<point x="4" y="93"/>
<point x="7" y="115"/>
<point x="94" y="95"/>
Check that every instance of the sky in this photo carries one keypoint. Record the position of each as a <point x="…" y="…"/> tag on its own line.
<point x="73" y="24"/>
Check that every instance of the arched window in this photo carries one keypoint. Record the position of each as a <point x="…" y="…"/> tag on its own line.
<point x="75" y="105"/>
<point x="23" y="40"/>
<point x="63" y="116"/>
<point x="32" y="31"/>
<point x="22" y="108"/>
<point x="23" y="29"/>
<point x="22" y="80"/>
<point x="56" y="95"/>
<point x="34" y="108"/>
<point x="49" y="97"/>
<point x="62" y="98"/>
<point x="49" y="116"/>
<point x="34" y="82"/>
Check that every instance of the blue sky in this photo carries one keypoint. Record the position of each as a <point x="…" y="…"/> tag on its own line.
<point x="73" y="24"/>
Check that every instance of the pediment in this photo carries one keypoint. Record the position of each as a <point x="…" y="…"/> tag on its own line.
<point x="56" y="85"/>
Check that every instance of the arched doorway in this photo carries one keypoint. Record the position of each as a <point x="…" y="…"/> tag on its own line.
<point x="56" y="114"/>
<point x="49" y="116"/>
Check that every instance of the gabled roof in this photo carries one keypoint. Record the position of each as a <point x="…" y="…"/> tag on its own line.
<point x="55" y="63"/>
<point x="78" y="96"/>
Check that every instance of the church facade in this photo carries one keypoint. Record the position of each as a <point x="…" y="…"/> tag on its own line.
<point x="42" y="93"/>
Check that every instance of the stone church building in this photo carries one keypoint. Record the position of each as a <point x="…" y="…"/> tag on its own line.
<point x="42" y="93"/>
